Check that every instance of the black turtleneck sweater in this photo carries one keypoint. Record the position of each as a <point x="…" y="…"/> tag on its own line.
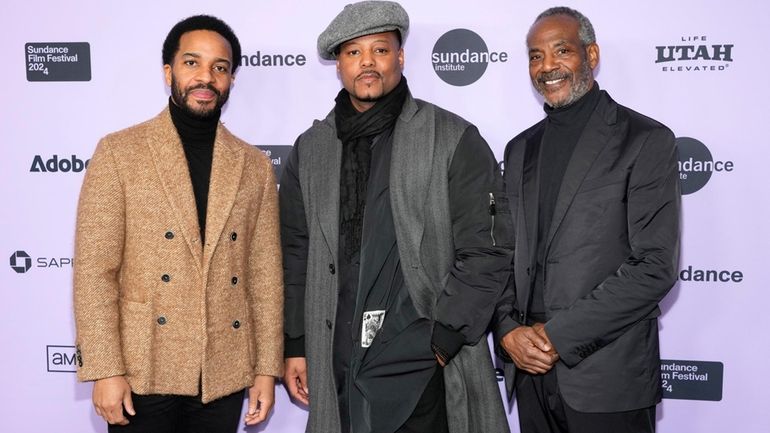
<point x="563" y="128"/>
<point x="197" y="137"/>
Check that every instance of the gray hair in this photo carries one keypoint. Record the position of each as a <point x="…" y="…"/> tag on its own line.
<point x="585" y="30"/>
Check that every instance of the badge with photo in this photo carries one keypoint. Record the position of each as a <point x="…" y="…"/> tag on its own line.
<point x="370" y="326"/>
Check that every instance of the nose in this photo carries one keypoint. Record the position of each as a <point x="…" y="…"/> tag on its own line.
<point x="205" y="75"/>
<point x="367" y="59"/>
<point x="549" y="63"/>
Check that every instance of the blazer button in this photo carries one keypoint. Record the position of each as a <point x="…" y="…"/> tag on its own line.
<point x="328" y="323"/>
<point x="169" y="235"/>
<point x="527" y="271"/>
<point x="234" y="280"/>
<point x="166" y="278"/>
<point x="233" y="236"/>
<point x="332" y="270"/>
<point x="161" y="320"/>
<point x="521" y="318"/>
<point x="236" y="324"/>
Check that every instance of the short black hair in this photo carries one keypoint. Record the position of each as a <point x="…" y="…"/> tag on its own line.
<point x="200" y="22"/>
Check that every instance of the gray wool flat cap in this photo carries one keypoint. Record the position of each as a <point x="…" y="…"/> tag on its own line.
<point x="361" y="19"/>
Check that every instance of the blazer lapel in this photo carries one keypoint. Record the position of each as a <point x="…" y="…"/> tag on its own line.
<point x="226" y="169"/>
<point x="530" y="189"/>
<point x="595" y="137"/>
<point x="171" y="167"/>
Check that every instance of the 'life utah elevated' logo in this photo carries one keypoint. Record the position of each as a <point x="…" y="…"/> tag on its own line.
<point x="694" y="54"/>
<point x="460" y="57"/>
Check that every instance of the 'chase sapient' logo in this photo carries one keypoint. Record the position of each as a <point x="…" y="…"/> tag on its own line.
<point x="21" y="262"/>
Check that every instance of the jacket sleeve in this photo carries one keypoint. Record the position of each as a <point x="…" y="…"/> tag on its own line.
<point x="503" y="321"/>
<point x="99" y="239"/>
<point x="294" y="242"/>
<point x="482" y="240"/>
<point x="266" y="281"/>
<point x="647" y="274"/>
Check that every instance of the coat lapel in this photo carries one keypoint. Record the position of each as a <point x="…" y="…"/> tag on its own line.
<point x="328" y="193"/>
<point x="226" y="169"/>
<point x="171" y="165"/>
<point x="595" y="137"/>
<point x="410" y="170"/>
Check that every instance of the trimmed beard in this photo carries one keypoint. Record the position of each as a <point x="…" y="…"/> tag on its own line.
<point x="580" y="87"/>
<point x="181" y="100"/>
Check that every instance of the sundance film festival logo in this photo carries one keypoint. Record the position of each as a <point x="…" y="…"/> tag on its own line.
<point x="278" y="156"/>
<point x="21" y="262"/>
<point x="694" y="54"/>
<point x="696" y="165"/>
<point x="58" y="61"/>
<point x="58" y="164"/>
<point x="460" y="57"/>
<point x="691" y="380"/>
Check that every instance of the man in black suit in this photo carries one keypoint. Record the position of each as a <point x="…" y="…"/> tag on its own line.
<point x="594" y="193"/>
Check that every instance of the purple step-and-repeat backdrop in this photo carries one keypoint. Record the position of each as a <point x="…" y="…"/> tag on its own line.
<point x="78" y="70"/>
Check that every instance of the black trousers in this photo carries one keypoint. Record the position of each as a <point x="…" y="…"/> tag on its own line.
<point x="429" y="416"/>
<point x="542" y="410"/>
<point x="182" y="414"/>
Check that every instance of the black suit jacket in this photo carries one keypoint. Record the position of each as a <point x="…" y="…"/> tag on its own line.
<point x="611" y="255"/>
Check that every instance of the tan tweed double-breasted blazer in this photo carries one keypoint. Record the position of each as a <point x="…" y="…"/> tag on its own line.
<point x="151" y="302"/>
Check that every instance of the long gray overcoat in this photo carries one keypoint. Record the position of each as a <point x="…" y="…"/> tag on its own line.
<point x="424" y="140"/>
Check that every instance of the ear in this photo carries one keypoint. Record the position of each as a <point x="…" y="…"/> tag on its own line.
<point x="167" y="73"/>
<point x="593" y="55"/>
<point x="401" y="58"/>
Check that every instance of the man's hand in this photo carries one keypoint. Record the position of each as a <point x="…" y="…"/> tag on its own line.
<point x="530" y="349"/>
<point x="110" y="396"/>
<point x="295" y="378"/>
<point x="261" y="399"/>
<point x="440" y="360"/>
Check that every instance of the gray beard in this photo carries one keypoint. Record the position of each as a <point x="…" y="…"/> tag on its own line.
<point x="581" y="87"/>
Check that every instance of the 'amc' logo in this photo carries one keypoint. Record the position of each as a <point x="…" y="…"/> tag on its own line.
<point x="61" y="359"/>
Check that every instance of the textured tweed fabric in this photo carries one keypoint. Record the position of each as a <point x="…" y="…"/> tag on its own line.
<point x="151" y="302"/>
<point x="361" y="19"/>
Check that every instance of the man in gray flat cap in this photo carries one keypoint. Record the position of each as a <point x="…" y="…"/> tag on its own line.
<point x="393" y="258"/>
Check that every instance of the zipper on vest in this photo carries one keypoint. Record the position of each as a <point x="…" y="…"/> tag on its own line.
<point x="492" y="212"/>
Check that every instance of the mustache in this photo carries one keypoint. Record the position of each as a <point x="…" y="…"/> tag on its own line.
<point x="553" y="75"/>
<point x="368" y="72"/>
<point x="205" y="87"/>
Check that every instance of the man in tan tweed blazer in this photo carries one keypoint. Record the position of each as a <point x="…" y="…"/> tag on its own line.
<point x="178" y="278"/>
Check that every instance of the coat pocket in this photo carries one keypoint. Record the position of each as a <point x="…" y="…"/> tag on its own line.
<point x="136" y="330"/>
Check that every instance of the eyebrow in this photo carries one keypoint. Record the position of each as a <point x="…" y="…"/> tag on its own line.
<point x="198" y="56"/>
<point x="560" y="43"/>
